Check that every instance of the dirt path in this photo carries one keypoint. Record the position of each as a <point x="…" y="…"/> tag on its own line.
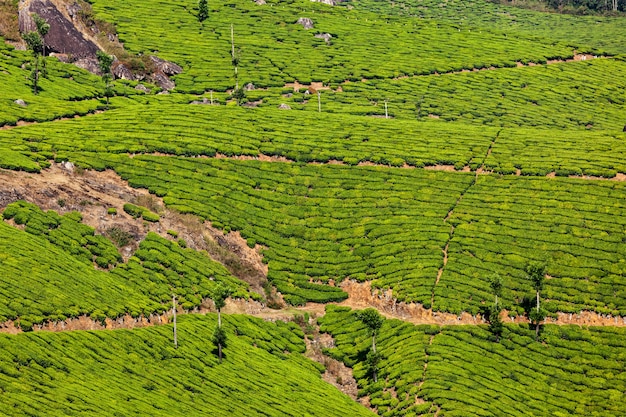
<point x="360" y="296"/>
<point x="447" y="168"/>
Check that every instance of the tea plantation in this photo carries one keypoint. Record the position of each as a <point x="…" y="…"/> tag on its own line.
<point x="417" y="146"/>
<point x="138" y="372"/>
<point x="459" y="371"/>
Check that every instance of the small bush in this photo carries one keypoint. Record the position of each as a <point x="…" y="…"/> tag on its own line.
<point x="150" y="216"/>
<point x="133" y="210"/>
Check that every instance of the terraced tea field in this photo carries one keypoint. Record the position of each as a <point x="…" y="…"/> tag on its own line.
<point x="363" y="45"/>
<point x="265" y="373"/>
<point x="582" y="94"/>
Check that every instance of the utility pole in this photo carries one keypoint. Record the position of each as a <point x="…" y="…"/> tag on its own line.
<point x="319" y="101"/>
<point x="174" y="312"/>
<point x="386" y="114"/>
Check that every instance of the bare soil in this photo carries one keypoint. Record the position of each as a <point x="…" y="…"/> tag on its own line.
<point x="92" y="193"/>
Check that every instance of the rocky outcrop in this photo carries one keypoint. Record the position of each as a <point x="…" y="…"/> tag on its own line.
<point x="166" y="67"/>
<point x="163" y="81"/>
<point x="141" y="87"/>
<point x="305" y="22"/>
<point x="66" y="41"/>
<point x="90" y="64"/>
<point x="63" y="36"/>
<point x="120" y="71"/>
<point x="326" y="36"/>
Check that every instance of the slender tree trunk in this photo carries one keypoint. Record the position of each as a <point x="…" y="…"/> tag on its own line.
<point x="174" y="312"/>
<point x="537" y="301"/>
<point x="219" y="351"/>
<point x="36" y="75"/>
<point x="374" y="350"/>
<point x="537" y="324"/>
<point x="219" y="318"/>
<point x="386" y="113"/>
<point x="496" y="301"/>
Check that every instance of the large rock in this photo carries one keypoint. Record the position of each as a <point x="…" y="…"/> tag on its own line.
<point x="329" y="2"/>
<point x="20" y="102"/>
<point x="163" y="81"/>
<point x="166" y="67"/>
<point x="89" y="64"/>
<point x="141" y="87"/>
<point x="120" y="71"/>
<point x="326" y="36"/>
<point x="305" y="22"/>
<point x="63" y="37"/>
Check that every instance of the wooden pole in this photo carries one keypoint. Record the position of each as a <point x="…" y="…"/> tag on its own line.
<point x="174" y="312"/>
<point x="232" y="44"/>
<point x="386" y="114"/>
<point x="319" y="101"/>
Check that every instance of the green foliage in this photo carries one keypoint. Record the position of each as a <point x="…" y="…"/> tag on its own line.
<point x="203" y="10"/>
<point x="219" y="296"/>
<point x="536" y="273"/>
<point x="496" y="327"/>
<point x="372" y="319"/>
<point x="496" y="283"/>
<point x="366" y="44"/>
<point x="317" y="222"/>
<point x="104" y="64"/>
<point x="143" y="212"/>
<point x="119" y="236"/>
<point x="219" y="336"/>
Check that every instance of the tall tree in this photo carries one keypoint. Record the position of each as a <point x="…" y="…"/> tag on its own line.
<point x="42" y="29"/>
<point x="105" y="61"/>
<point x="36" y="44"/>
<point x="536" y="273"/>
<point x="220" y="294"/>
<point x="373" y="320"/>
<point x="203" y="10"/>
